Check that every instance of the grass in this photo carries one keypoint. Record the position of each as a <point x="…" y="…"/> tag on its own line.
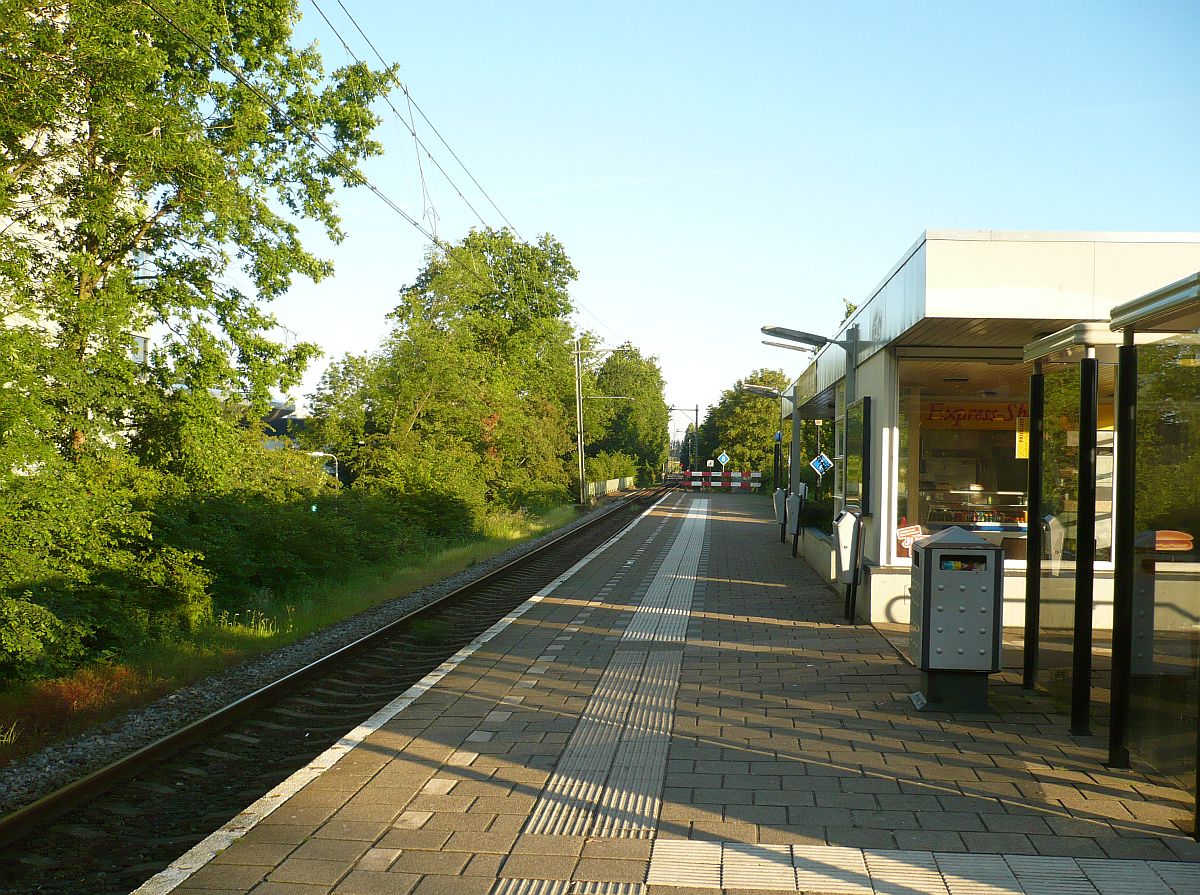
<point x="39" y="713"/>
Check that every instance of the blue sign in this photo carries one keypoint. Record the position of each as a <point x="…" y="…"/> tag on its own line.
<point x="821" y="464"/>
<point x="723" y="459"/>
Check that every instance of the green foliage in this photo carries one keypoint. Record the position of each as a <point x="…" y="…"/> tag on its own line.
<point x="442" y="491"/>
<point x="150" y="154"/>
<point x="135" y="176"/>
<point x="256" y="548"/>
<point x="468" y="403"/>
<point x="33" y="640"/>
<point x="605" y="466"/>
<point x="636" y="428"/>
<point x="743" y="425"/>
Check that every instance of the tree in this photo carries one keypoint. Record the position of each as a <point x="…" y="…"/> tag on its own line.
<point x="744" y="424"/>
<point x="636" y="428"/>
<point x="149" y="153"/>
<point x="688" y="447"/>
<point x="474" y="383"/>
<point x="146" y="151"/>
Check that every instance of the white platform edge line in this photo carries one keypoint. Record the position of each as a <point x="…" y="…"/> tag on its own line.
<point x="205" y="850"/>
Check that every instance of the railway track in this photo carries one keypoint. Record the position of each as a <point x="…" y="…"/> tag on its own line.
<point x="109" y="832"/>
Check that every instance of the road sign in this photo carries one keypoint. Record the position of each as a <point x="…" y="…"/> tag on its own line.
<point x="710" y="463"/>
<point x="723" y="459"/>
<point x="821" y="463"/>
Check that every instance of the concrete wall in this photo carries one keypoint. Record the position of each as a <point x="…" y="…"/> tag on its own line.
<point x="600" y="489"/>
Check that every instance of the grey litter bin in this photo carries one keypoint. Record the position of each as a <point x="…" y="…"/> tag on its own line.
<point x="956" y="605"/>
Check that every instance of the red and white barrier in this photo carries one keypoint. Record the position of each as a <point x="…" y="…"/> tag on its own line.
<point x="732" y="481"/>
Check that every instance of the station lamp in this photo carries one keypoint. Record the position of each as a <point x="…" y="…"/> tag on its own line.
<point x="786" y="345"/>
<point x="762" y="390"/>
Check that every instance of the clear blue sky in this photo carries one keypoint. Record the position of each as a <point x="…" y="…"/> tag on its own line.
<point x="712" y="169"/>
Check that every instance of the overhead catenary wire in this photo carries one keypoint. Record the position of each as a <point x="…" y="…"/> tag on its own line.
<point x="351" y="174"/>
<point x="413" y="103"/>
<point x="411" y="126"/>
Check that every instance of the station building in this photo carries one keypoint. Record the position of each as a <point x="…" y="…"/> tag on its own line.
<point x="977" y="386"/>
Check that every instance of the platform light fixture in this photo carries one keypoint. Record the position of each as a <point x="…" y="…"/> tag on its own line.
<point x="796" y="335"/>
<point x="786" y="345"/>
<point x="850" y="344"/>
<point x="762" y="390"/>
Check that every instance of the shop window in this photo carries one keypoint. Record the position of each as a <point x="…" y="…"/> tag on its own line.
<point x="962" y="451"/>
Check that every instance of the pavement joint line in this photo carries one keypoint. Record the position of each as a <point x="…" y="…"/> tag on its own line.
<point x="182" y="868"/>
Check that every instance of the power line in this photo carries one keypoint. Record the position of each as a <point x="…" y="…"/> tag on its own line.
<point x="352" y="175"/>
<point x="432" y="127"/>
<point x="412" y="129"/>
<point x="410" y="126"/>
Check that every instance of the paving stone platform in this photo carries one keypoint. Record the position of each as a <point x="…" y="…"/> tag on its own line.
<point x="685" y="712"/>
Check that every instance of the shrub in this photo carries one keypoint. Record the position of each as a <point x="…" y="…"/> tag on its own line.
<point x="615" y="465"/>
<point x="34" y="641"/>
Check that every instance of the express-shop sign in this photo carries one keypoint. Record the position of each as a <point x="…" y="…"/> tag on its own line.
<point x="973" y="414"/>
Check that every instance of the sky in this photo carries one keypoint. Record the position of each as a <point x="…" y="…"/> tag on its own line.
<point x="711" y="168"/>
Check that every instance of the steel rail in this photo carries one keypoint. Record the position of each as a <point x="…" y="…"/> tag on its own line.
<point x="29" y="818"/>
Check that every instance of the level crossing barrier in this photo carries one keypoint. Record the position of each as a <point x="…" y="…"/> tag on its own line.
<point x="725" y="481"/>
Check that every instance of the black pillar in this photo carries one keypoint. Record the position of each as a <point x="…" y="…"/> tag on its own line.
<point x="1123" y="557"/>
<point x="1085" y="550"/>
<point x="1033" y="529"/>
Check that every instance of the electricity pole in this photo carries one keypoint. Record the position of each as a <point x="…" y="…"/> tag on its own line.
<point x="695" y="432"/>
<point x="579" y="421"/>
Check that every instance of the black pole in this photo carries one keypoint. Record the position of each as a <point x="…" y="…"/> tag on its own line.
<point x="1085" y="550"/>
<point x="1123" y="557"/>
<point x="1033" y="529"/>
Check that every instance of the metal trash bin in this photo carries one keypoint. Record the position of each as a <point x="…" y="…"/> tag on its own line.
<point x="956" y="614"/>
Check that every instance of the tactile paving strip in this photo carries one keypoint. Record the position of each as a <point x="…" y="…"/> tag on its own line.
<point x="563" y="887"/>
<point x="1124" y="877"/>
<point x="851" y="871"/>
<point x="590" y="888"/>
<point x="664" y="611"/>
<point x="833" y="869"/>
<point x="531" y="887"/>
<point x="1040" y="875"/>
<point x="904" y="872"/>
<point x="977" y="874"/>
<point x="685" y="862"/>
<point x="630" y="802"/>
<point x="565" y="806"/>
<point x="747" y="865"/>
<point x="608" y="781"/>
<point x="1179" y="877"/>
